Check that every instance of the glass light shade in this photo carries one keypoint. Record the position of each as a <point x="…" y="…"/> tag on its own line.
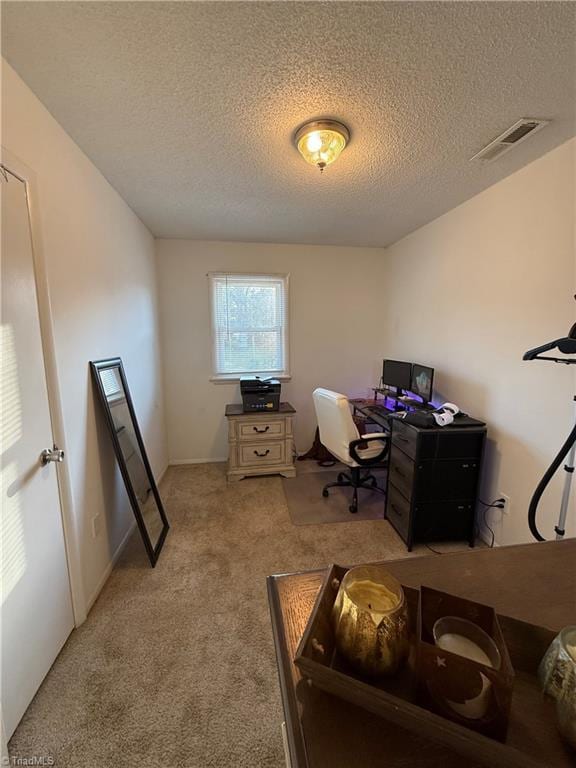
<point x="321" y="141"/>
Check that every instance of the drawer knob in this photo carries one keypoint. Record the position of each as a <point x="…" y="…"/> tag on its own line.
<point x="261" y="455"/>
<point x="261" y="431"/>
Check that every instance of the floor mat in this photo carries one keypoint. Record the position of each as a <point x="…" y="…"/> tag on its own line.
<point x="307" y="506"/>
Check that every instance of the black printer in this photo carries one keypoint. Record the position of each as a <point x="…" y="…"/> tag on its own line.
<point x="259" y="394"/>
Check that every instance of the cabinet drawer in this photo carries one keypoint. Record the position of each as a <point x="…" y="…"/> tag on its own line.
<point x="263" y="454"/>
<point x="405" y="437"/>
<point x="261" y="430"/>
<point x="452" y="444"/>
<point x="460" y="444"/>
<point x="446" y="480"/>
<point x="401" y="471"/>
<point x="398" y="511"/>
<point x="443" y="521"/>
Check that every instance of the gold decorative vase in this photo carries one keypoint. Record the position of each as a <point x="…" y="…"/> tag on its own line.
<point x="557" y="675"/>
<point x="370" y="621"/>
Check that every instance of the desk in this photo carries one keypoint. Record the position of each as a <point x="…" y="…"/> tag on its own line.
<point x="363" y="407"/>
<point x="531" y="582"/>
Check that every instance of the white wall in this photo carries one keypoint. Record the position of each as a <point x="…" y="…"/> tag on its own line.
<point x="468" y="294"/>
<point x="100" y="265"/>
<point x="335" y="333"/>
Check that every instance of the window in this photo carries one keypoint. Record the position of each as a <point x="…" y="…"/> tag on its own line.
<point x="249" y="324"/>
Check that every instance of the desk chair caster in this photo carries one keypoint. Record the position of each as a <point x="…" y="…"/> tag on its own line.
<point x="353" y="508"/>
<point x="354" y="480"/>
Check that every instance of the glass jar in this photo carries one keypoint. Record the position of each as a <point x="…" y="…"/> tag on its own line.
<point x="370" y="620"/>
<point x="557" y="673"/>
<point x="466" y="639"/>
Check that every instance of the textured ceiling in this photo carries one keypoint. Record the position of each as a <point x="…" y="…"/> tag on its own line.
<point x="188" y="108"/>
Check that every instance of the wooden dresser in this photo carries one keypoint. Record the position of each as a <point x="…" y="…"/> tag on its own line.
<point x="433" y="481"/>
<point x="260" y="443"/>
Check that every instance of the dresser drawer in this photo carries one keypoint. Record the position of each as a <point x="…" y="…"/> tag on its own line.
<point x="401" y="469"/>
<point x="446" y="480"/>
<point x="261" y="453"/>
<point x="261" y="430"/>
<point x="398" y="511"/>
<point x="405" y="437"/>
<point x="443" y="521"/>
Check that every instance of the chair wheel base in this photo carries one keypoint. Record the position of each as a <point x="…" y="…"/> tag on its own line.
<point x="355" y="480"/>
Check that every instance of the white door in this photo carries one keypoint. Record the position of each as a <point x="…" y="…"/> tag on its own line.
<point x="36" y="610"/>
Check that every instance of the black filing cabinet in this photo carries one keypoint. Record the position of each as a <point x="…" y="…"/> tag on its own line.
<point x="433" y="481"/>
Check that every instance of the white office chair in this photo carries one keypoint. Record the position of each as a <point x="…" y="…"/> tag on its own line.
<point x="340" y="436"/>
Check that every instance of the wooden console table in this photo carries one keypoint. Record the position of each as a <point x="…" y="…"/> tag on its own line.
<point x="531" y="582"/>
<point x="260" y="443"/>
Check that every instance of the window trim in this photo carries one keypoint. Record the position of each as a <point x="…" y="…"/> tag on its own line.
<point x="225" y="378"/>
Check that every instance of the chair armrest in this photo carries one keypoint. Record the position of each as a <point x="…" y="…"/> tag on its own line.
<point x="378" y="436"/>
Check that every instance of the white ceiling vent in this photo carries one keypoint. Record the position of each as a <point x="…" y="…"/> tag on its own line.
<point x="513" y="136"/>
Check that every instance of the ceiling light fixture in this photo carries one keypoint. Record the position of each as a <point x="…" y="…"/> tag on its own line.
<point x="320" y="142"/>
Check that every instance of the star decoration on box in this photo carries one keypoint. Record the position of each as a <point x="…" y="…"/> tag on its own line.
<point x="440" y="662"/>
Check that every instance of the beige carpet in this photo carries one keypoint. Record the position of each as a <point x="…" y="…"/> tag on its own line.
<point x="175" y="665"/>
<point x="307" y="506"/>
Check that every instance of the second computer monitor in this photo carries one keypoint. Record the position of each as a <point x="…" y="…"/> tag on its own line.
<point x="421" y="384"/>
<point x="396" y="374"/>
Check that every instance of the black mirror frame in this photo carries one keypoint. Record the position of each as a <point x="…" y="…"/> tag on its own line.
<point x="115" y="362"/>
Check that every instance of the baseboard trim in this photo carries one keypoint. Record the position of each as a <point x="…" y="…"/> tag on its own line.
<point x="162" y="473"/>
<point x="108" y="570"/>
<point x="179" y="462"/>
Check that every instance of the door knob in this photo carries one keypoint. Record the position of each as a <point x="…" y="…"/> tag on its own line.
<point x="56" y="454"/>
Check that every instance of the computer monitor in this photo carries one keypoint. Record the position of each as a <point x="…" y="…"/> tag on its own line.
<point x="396" y="374"/>
<point x="421" y="383"/>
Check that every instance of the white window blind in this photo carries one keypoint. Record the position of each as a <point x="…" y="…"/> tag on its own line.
<point x="249" y="324"/>
<point x="112" y="384"/>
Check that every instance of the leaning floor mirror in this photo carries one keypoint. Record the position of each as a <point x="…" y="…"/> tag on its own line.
<point x="112" y="388"/>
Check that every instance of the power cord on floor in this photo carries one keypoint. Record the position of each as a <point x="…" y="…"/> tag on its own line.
<point x="436" y="551"/>
<point x="496" y="504"/>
